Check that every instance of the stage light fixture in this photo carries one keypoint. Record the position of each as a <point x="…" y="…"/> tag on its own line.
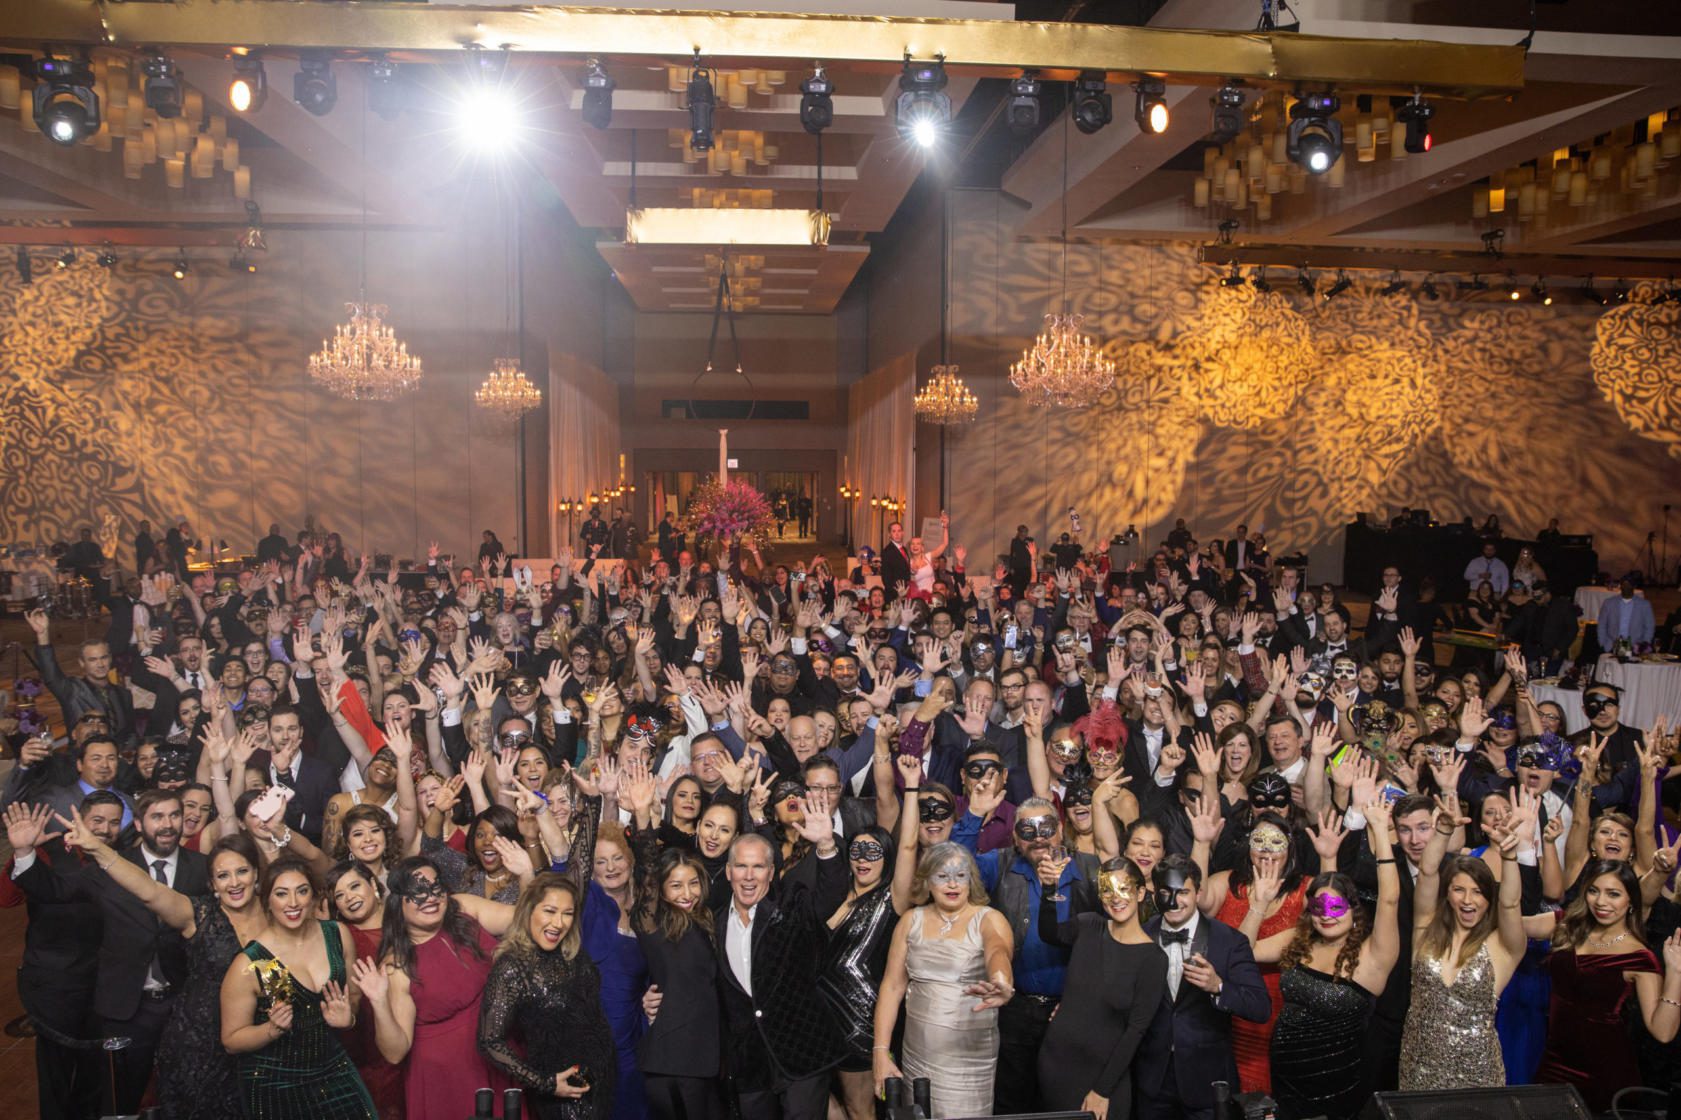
<point x="26" y="268"/>
<point x="488" y="119"/>
<point x="817" y="102"/>
<point x="1149" y="107"/>
<point x="1539" y="291"/>
<point x="1513" y="292"/>
<point x="1314" y="140"/>
<point x="1304" y="281"/>
<point x="107" y="258"/>
<point x="1670" y="294"/>
<point x="1474" y="285"/>
<point x="241" y="262"/>
<point x="1592" y="293"/>
<point x="180" y="268"/>
<point x="1260" y="282"/>
<point x="923" y="107"/>
<point x="66" y="259"/>
<point x="1229" y="117"/>
<point x="1025" y="102"/>
<point x="249" y="88"/>
<point x="1091" y="106"/>
<point x="1395" y="286"/>
<point x="1620" y="292"/>
<point x="314" y="86"/>
<point x="701" y="101"/>
<point x="162" y="85"/>
<point x="1428" y="289"/>
<point x="66" y="107"/>
<point x="386" y="96"/>
<point x="1343" y="283"/>
<point x="598" y="96"/>
<point x="1233" y="279"/>
<point x="1416" y="114"/>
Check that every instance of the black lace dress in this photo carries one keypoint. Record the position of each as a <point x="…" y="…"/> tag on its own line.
<point x="196" y="1076"/>
<point x="461" y="875"/>
<point x="553" y="1006"/>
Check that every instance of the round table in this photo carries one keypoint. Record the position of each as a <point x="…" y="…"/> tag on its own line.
<point x="1569" y="699"/>
<point x="1649" y="689"/>
<point x="1588" y="597"/>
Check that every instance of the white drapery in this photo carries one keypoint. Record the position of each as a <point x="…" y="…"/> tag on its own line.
<point x="583" y="441"/>
<point x="881" y="444"/>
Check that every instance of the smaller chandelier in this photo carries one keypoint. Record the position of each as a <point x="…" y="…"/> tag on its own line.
<point x="944" y="398"/>
<point x="364" y="361"/>
<point x="1063" y="367"/>
<point x="507" y="392"/>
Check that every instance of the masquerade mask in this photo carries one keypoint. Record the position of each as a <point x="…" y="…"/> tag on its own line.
<point x="1423" y="670"/>
<point x="1344" y="671"/>
<point x="1065" y="749"/>
<point x="1376" y="716"/>
<point x="784" y="791"/>
<point x="980" y="768"/>
<point x="783" y="666"/>
<point x="1114" y="888"/>
<point x="513" y="740"/>
<point x="1438" y="754"/>
<point x="1433" y="709"/>
<point x="1102" y="750"/>
<point x="1268" y="841"/>
<point x="866" y="850"/>
<point x="929" y="812"/>
<point x="979" y="648"/>
<point x="1597" y="702"/>
<point x="1546" y="752"/>
<point x="409" y="635"/>
<point x="520" y="686"/>
<point x="1077" y="795"/>
<point x="1328" y="907"/>
<point x="1311" y="683"/>
<point x="423" y="891"/>
<point x="1269" y="791"/>
<point x="1030" y="829"/>
<point x="1504" y="719"/>
<point x="642" y="727"/>
<point x="1169" y="886"/>
<point x="951" y="875"/>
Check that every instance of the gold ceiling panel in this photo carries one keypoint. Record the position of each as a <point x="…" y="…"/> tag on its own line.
<point x="977" y="47"/>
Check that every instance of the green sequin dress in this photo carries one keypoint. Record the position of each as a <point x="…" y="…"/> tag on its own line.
<point x="305" y="1074"/>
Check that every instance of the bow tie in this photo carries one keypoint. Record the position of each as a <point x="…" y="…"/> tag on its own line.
<point x="1176" y="937"/>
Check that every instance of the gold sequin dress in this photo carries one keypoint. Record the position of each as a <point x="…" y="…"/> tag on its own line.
<point x="1450" y="1041"/>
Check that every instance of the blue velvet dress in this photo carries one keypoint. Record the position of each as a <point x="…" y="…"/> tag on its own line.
<point x="624" y="977"/>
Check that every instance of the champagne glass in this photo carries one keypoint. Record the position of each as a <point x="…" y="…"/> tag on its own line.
<point x="1057" y="854"/>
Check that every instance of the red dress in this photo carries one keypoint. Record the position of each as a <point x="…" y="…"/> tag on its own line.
<point x="1588" y="1040"/>
<point x="384" y="1080"/>
<point x="1252" y="1042"/>
<point x="445" y="1067"/>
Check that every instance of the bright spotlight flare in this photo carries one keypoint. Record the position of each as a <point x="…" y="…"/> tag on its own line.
<point x="923" y="107"/>
<point x="66" y="107"/>
<point x="1150" y="109"/>
<point x="1315" y="135"/>
<point x="488" y="118"/>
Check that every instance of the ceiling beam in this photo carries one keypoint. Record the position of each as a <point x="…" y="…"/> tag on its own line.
<point x="1524" y="265"/>
<point x="1385" y="186"/>
<point x="1595" y="229"/>
<point x="980" y="47"/>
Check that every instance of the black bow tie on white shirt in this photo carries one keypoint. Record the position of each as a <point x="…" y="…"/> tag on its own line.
<point x="1176" y="937"/>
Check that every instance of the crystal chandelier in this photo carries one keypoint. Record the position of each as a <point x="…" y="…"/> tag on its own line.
<point x="944" y="398"/>
<point x="507" y="392"/>
<point x="364" y="361"/>
<point x="1063" y="367"/>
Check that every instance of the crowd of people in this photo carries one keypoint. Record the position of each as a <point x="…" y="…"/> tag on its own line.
<point x="681" y="839"/>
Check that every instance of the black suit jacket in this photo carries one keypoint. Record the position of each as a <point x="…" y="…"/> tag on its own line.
<point x="131" y="935"/>
<point x="1191" y="1034"/>
<point x="76" y="695"/>
<point x="60" y="955"/>
<point x="316" y="783"/>
<point x="784" y="1031"/>
<point x="895" y="568"/>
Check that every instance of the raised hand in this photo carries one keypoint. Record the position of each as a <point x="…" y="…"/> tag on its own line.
<point x="484" y="690"/>
<point x="1327" y="837"/>
<point x="1266" y="887"/>
<point x="370" y="978"/>
<point x="335" y="1006"/>
<point x="987" y="795"/>
<point x="1206" y="754"/>
<point x="1472" y="720"/>
<point x="554" y="681"/>
<point x="505" y="763"/>
<point x="39" y="623"/>
<point x="514" y="857"/>
<point x="25" y="824"/>
<point x="1206" y="819"/>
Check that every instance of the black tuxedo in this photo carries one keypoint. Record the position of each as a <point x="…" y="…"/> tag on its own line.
<point x="131" y="937"/>
<point x="315" y="784"/>
<point x="1189" y="1043"/>
<point x="895" y="568"/>
<point x="783" y="1033"/>
<point x="77" y="695"/>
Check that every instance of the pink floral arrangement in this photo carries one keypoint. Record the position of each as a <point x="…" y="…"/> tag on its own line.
<point x="724" y="512"/>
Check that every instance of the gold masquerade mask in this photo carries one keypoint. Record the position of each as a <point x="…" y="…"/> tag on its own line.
<point x="1268" y="841"/>
<point x="1114" y="888"/>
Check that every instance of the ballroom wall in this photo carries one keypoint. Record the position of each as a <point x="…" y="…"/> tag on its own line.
<point x="1287" y="413"/>
<point x="129" y="394"/>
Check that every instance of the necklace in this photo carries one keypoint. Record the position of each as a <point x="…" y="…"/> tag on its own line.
<point x="948" y="924"/>
<point x="1602" y="942"/>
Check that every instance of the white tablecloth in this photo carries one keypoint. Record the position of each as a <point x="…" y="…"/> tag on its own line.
<point x="1650" y="689"/>
<point x="1590" y="599"/>
<point x="1569" y="699"/>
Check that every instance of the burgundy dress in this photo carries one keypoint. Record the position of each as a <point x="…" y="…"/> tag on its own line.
<point x="384" y="1080"/>
<point x="1588" y="1040"/>
<point x="445" y="1067"/>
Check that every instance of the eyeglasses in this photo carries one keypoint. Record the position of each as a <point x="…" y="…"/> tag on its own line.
<point x="930" y="812"/>
<point x="980" y="768"/>
<point x="1035" y="828"/>
<point x="866" y="850"/>
<point x="809" y="788"/>
<point x="1011" y="687"/>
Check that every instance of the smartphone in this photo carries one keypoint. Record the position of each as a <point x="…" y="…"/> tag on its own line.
<point x="271" y="802"/>
<point x="1010" y="634"/>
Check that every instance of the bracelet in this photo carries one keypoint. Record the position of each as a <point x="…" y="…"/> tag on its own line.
<point x="873" y="1049"/>
<point x="913" y="789"/>
<point x="1391" y="859"/>
<point x="1671" y="1002"/>
<point x="218" y="777"/>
